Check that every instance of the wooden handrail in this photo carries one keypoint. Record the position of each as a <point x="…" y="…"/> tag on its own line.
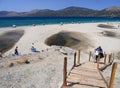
<point x="98" y="62"/>
<point x="114" y="67"/>
<point x="65" y="72"/>
<point x="90" y="55"/>
<point x="74" y="59"/>
<point x="110" y="58"/>
<point x="105" y="56"/>
<point x="78" y="57"/>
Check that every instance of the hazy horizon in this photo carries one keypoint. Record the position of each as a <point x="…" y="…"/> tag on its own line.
<point x="25" y="6"/>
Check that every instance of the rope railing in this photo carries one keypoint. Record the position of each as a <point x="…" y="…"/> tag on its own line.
<point x="114" y="67"/>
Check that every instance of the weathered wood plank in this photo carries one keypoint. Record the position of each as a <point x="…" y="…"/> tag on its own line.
<point x="86" y="76"/>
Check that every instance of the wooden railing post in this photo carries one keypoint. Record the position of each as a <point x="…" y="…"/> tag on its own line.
<point x="114" y="67"/>
<point x="105" y="55"/>
<point x="90" y="55"/>
<point x="75" y="59"/>
<point x="110" y="57"/>
<point x="113" y="56"/>
<point x="78" y="57"/>
<point x="98" y="62"/>
<point x="65" y="72"/>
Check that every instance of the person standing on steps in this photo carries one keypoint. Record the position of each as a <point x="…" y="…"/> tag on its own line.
<point x="98" y="52"/>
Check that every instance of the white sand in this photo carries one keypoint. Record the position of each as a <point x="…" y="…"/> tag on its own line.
<point x="48" y="73"/>
<point x="38" y="34"/>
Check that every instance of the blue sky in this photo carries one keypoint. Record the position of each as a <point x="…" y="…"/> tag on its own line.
<point x="27" y="5"/>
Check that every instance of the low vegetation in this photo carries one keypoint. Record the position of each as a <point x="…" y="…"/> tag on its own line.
<point x="109" y="34"/>
<point x="21" y="60"/>
<point x="8" y="39"/>
<point x="61" y="39"/>
<point x="106" y="26"/>
<point x="117" y="56"/>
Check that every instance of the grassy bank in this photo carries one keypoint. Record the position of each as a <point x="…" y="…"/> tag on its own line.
<point x="61" y="39"/>
<point x="8" y="39"/>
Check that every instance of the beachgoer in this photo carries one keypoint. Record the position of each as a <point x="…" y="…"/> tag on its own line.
<point x="98" y="51"/>
<point x="16" y="51"/>
<point x="33" y="49"/>
<point x="96" y="54"/>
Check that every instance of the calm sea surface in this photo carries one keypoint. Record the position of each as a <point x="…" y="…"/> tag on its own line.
<point x="23" y="21"/>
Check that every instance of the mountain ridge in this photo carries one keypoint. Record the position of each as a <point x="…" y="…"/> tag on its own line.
<point x="68" y="12"/>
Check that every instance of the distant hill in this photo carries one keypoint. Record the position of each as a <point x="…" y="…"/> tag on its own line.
<point x="113" y="9"/>
<point x="68" y="12"/>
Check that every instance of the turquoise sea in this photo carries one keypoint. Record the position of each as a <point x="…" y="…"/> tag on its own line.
<point x="23" y="21"/>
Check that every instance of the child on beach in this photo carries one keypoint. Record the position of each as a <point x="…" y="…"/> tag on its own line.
<point x="16" y="51"/>
<point x="33" y="49"/>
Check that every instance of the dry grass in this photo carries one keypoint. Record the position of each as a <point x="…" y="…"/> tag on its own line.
<point x="11" y="64"/>
<point x="6" y="64"/>
<point x="117" y="56"/>
<point x="37" y="58"/>
<point x="20" y="60"/>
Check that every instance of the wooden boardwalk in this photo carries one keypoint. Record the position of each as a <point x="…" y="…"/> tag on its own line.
<point x="86" y="76"/>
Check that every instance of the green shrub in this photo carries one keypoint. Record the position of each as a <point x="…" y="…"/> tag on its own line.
<point x="61" y="39"/>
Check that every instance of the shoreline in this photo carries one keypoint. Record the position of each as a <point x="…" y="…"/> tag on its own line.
<point x="114" y="22"/>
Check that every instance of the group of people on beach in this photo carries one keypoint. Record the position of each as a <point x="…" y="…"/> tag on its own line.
<point x="98" y="52"/>
<point x="17" y="53"/>
<point x="33" y="49"/>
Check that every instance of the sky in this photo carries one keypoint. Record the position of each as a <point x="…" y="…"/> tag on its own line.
<point x="28" y="5"/>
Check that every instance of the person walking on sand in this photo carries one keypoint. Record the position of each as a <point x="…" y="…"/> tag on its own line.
<point x="16" y="51"/>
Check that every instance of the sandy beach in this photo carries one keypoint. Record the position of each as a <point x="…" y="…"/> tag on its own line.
<point x="46" y="70"/>
<point x="38" y="35"/>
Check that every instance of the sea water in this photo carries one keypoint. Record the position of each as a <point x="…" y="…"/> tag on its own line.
<point x="24" y="21"/>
